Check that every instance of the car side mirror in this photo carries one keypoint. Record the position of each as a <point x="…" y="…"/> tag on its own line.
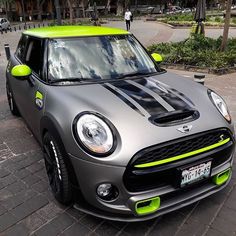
<point x="21" y="72"/>
<point x="157" y="57"/>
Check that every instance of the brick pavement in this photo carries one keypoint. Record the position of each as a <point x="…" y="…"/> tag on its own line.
<point x="27" y="206"/>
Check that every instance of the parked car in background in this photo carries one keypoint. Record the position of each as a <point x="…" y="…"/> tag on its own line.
<point x="176" y="9"/>
<point x="186" y="10"/>
<point x="4" y="24"/>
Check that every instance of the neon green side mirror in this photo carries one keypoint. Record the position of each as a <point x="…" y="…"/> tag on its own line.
<point x="21" y="71"/>
<point x="157" y="57"/>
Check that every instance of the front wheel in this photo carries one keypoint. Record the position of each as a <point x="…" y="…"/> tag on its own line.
<point x="56" y="170"/>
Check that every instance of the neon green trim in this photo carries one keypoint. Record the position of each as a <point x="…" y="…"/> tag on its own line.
<point x="152" y="207"/>
<point x="21" y="71"/>
<point x="73" y="31"/>
<point x="39" y="95"/>
<point x="182" y="156"/>
<point x="222" y="177"/>
<point x="157" y="57"/>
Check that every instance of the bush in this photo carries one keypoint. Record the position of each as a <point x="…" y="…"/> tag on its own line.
<point x="198" y="51"/>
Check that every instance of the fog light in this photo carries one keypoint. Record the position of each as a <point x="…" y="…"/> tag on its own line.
<point x="107" y="191"/>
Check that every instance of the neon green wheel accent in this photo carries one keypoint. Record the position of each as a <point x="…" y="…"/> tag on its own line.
<point x="182" y="156"/>
<point x="152" y="205"/>
<point x="222" y="177"/>
<point x="21" y="71"/>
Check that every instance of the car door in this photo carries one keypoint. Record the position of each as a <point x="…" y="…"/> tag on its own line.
<point x="29" y="94"/>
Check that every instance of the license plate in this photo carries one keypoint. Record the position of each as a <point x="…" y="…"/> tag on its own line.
<point x="195" y="173"/>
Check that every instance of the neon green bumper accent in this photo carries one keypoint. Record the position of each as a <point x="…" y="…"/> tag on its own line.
<point x="222" y="177"/>
<point x="182" y="156"/>
<point x="147" y="206"/>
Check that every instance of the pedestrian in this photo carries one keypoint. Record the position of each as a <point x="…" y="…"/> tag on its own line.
<point x="128" y="18"/>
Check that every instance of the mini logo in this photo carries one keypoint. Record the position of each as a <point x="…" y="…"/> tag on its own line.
<point x="185" y="128"/>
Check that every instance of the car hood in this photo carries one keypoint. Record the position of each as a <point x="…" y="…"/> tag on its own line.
<point x="145" y="111"/>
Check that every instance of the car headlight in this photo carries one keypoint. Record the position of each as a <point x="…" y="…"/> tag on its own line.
<point x="94" y="134"/>
<point x="220" y="105"/>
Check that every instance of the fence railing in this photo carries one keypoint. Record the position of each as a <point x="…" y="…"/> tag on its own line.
<point x="25" y="27"/>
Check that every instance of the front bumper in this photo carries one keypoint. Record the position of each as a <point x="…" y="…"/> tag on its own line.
<point x="90" y="175"/>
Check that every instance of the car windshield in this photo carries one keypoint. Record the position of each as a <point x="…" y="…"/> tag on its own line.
<point x="97" y="58"/>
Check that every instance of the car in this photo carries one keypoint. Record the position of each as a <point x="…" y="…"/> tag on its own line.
<point x="123" y="139"/>
<point x="186" y="10"/>
<point x="176" y="9"/>
<point x="4" y="24"/>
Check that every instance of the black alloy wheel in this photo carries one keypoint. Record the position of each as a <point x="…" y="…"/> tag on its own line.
<point x="56" y="170"/>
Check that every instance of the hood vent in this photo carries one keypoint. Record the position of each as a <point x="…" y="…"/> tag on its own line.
<point x="174" y="117"/>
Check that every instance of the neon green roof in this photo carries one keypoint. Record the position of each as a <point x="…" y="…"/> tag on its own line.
<point x="73" y="31"/>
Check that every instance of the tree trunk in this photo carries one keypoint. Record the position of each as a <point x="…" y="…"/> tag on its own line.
<point x="127" y="4"/>
<point x="40" y="8"/>
<point x="136" y="6"/>
<point x="6" y="7"/>
<point x="226" y="25"/>
<point x="71" y="10"/>
<point x="120" y="8"/>
<point x="83" y="10"/>
<point x="108" y="7"/>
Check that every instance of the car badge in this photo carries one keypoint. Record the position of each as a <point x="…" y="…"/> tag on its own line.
<point x="185" y="128"/>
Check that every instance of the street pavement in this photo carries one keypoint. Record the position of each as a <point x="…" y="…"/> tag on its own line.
<point x="27" y="206"/>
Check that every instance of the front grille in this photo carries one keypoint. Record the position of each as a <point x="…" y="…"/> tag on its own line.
<point x="179" y="147"/>
<point x="141" y="179"/>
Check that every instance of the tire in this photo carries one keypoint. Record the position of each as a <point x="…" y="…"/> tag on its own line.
<point x="11" y="102"/>
<point x="57" y="171"/>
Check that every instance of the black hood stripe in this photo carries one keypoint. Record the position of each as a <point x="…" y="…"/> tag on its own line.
<point x="128" y="100"/>
<point x="172" y="90"/>
<point x="154" y="95"/>
<point x="169" y="97"/>
<point x="144" y="99"/>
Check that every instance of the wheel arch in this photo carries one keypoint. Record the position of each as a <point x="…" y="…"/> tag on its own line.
<point x="47" y="125"/>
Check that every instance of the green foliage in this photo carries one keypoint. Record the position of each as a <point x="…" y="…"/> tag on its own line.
<point x="198" y="51"/>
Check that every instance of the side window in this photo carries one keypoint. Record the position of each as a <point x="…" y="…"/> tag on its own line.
<point x="34" y="55"/>
<point x="20" y="51"/>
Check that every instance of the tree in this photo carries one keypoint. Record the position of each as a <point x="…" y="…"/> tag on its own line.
<point x="70" y="5"/>
<point x="40" y="8"/>
<point x="7" y="5"/>
<point x="226" y="25"/>
<point x="120" y="8"/>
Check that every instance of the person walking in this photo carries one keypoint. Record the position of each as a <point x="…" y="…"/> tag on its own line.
<point x="128" y="19"/>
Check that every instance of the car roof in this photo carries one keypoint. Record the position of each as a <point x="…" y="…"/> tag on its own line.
<point x="73" y="31"/>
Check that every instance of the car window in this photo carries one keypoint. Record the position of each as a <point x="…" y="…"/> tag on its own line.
<point x="20" y="51"/>
<point x="34" y="55"/>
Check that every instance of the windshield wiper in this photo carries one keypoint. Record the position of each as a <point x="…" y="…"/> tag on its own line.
<point x="136" y="74"/>
<point x="66" y="80"/>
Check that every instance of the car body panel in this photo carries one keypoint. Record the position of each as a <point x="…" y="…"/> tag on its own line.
<point x="74" y="31"/>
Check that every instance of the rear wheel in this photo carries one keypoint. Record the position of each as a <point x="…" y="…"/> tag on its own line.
<point x="11" y="102"/>
<point x="56" y="170"/>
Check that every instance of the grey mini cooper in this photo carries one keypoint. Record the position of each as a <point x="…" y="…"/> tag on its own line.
<point x="123" y="139"/>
